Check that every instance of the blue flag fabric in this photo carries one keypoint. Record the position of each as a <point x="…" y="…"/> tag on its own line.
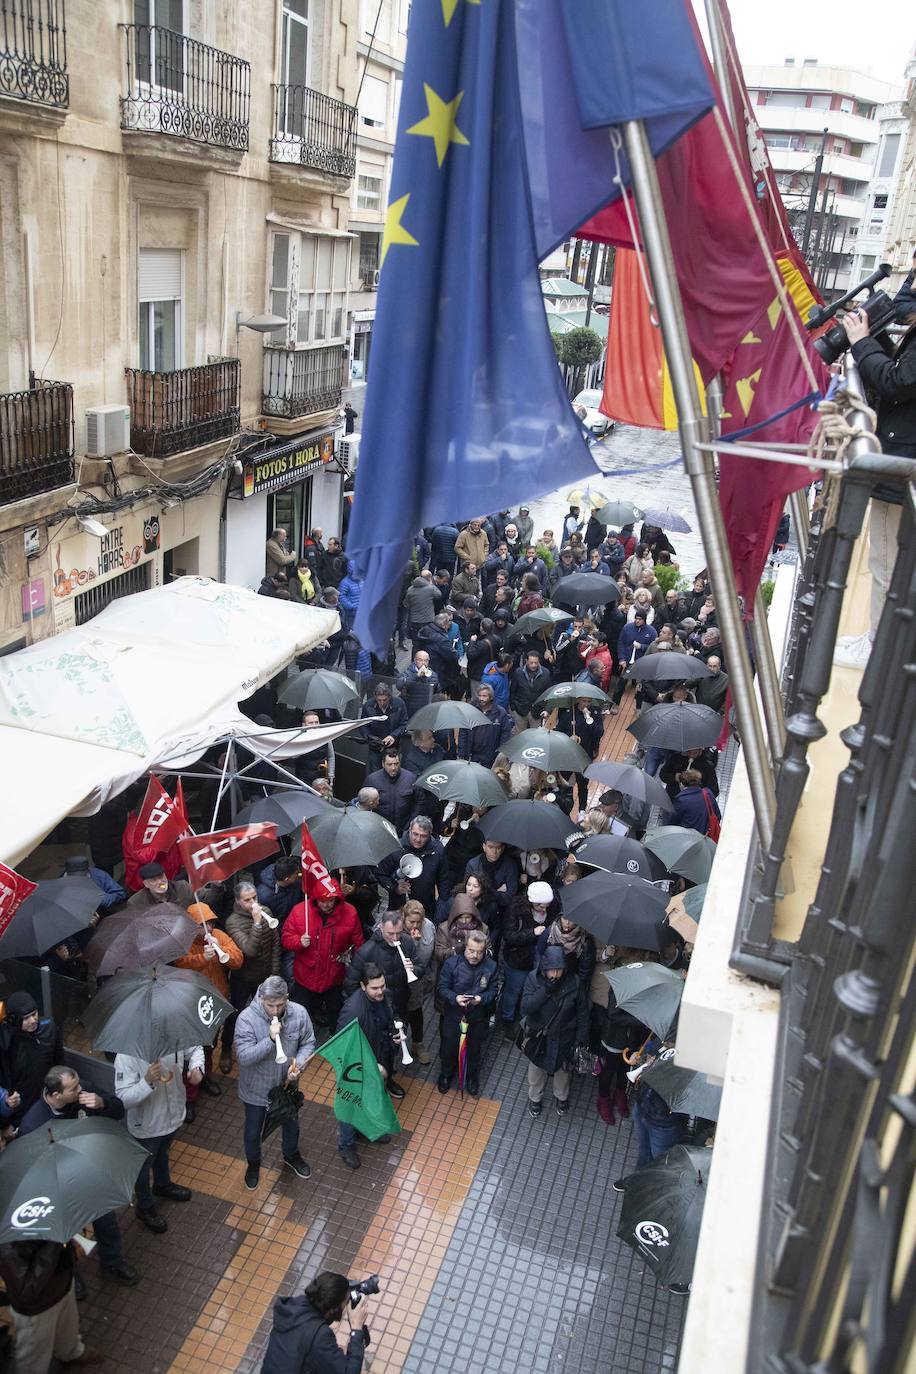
<point x="466" y="411"/>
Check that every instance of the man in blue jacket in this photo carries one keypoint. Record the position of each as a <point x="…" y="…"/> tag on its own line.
<point x="496" y="676"/>
<point x="386" y="732"/>
<point x="482" y="743"/>
<point x="467" y="986"/>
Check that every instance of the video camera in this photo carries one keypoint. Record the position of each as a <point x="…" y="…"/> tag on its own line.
<point x="878" y="306"/>
<point x="362" y="1288"/>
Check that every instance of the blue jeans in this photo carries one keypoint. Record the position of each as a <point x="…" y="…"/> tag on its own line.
<point x="346" y="1135"/>
<point x="654" y="759"/>
<point x="108" y="1239"/>
<point x="655" y="1137"/>
<point x="254" y="1122"/>
<point x="513" y="983"/>
<point x="157" y="1164"/>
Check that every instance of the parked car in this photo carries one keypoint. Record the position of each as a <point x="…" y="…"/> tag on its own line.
<point x="593" y="419"/>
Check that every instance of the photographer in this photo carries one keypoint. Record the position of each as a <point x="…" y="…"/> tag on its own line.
<point x="302" y="1341"/>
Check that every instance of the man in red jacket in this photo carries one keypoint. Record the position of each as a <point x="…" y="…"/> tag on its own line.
<point x="321" y="934"/>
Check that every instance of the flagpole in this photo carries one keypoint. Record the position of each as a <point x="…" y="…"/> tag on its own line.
<point x="700" y="469"/>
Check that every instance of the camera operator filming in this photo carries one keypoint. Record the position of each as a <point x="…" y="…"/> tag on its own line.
<point x="302" y="1341"/>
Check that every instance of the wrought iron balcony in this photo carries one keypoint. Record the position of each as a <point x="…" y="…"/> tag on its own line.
<point x="313" y="130"/>
<point x="178" y="86"/>
<point x="33" y="52"/>
<point x="302" y="381"/>
<point x="174" y="411"/>
<point x="36" y="440"/>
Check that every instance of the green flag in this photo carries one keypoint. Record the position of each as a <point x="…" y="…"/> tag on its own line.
<point x="361" y="1098"/>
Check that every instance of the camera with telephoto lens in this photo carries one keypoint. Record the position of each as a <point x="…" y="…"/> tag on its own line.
<point x="878" y="306"/>
<point x="362" y="1288"/>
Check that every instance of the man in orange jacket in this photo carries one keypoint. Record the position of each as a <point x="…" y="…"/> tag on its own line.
<point x="203" y="958"/>
<point x="321" y="934"/>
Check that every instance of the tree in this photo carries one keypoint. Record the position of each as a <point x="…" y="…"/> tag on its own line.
<point x="578" y="350"/>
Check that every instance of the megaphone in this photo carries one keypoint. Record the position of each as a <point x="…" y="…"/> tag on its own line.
<point x="410" y="867"/>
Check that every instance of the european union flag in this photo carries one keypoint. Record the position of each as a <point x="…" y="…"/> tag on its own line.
<point x="466" y="410"/>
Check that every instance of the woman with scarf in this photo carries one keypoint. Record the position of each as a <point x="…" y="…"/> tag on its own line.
<point x="304" y="586"/>
<point x="423" y="933"/>
<point x="577" y="945"/>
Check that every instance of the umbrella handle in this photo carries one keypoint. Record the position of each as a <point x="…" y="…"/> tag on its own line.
<point x="629" y="1057"/>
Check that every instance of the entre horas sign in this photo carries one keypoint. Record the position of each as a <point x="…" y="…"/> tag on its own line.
<point x="284" y="466"/>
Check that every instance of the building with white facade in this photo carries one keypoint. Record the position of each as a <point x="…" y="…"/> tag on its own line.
<point x="900" y="236"/>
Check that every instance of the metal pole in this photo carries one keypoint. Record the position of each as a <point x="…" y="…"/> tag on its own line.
<point x="812" y="198"/>
<point x="820" y="229"/>
<point x="590" y="272"/>
<point x="700" y="469"/>
<point x="801" y="519"/>
<point x="720" y="63"/>
<point x="768" y="679"/>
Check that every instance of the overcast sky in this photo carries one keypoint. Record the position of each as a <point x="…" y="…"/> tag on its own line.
<point x="870" y="35"/>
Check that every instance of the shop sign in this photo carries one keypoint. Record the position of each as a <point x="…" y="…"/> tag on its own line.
<point x="34" y="603"/>
<point x="123" y="547"/>
<point x="284" y="466"/>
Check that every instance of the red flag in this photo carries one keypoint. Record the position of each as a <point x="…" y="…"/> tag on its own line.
<point x="182" y="812"/>
<point x="214" y="857"/>
<point x="316" y="884"/>
<point x="13" y="891"/>
<point x="159" y="822"/>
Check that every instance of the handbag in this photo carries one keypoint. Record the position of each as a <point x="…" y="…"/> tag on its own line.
<point x="533" y="1043"/>
<point x="585" y="1062"/>
<point x="713" y="827"/>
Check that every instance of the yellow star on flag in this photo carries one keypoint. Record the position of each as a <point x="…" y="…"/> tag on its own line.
<point x="439" y="124"/>
<point x="746" y="386"/>
<point x="394" y="229"/>
<point x="449" y="7"/>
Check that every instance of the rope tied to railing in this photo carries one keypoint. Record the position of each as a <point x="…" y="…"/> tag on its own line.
<point x="832" y="435"/>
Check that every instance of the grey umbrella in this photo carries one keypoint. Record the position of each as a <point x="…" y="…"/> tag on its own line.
<point x="618" y="514"/>
<point x="677" y="725"/>
<point x="318" y="689"/>
<point x="157" y="936"/>
<point x="529" y="825"/>
<point x="682" y="851"/>
<point x="353" y="838"/>
<point x="155" y="1011"/>
<point x="56" y="909"/>
<point x="451" y="780"/>
<point x="650" y="992"/>
<point x="566" y="694"/>
<point x="447" y="715"/>
<point x="618" y="909"/>
<point x="684" y="1090"/>
<point x="586" y="589"/>
<point x="665" y="518"/>
<point x="617" y="854"/>
<point x="547" y="749"/>
<point x="632" y="782"/>
<point x="668" y="666"/>
<point x="544" y="618"/>
<point x="286" y="810"/>
<point x="662" y="1211"/>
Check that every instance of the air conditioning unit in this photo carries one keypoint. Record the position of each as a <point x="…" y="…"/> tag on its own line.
<point x="371" y="280"/>
<point x="107" y="431"/>
<point x="348" y="452"/>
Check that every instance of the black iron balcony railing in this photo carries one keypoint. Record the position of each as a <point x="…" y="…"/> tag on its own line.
<point x="313" y="130"/>
<point x="174" y="411"/>
<point x="36" y="440"/>
<point x="33" y="52"/>
<point x="178" y="86"/>
<point x="302" y="381"/>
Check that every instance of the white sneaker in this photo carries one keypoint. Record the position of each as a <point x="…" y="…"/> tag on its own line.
<point x="852" y="651"/>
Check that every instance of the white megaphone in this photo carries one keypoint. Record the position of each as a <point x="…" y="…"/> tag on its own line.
<point x="410" y="867"/>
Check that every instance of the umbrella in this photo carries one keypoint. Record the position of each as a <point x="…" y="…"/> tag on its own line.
<point x="462" y="1054"/>
<point x="284" y="1103"/>
<point x="566" y="694"/>
<point x="451" y="780"/>
<point x="286" y="810"/>
<point x="352" y="838"/>
<point x="662" y="1210"/>
<point x="632" y="781"/>
<point x="546" y="749"/>
<point x="56" y="909"/>
<point x="318" y="689"/>
<point x="155" y="1011"/>
<point x="682" y="851"/>
<point x="618" y="910"/>
<point x="162" y="934"/>
<point x="619" y="513"/>
<point x="650" y="992"/>
<point x="586" y="589"/>
<point x="529" y="825"/>
<point x="617" y="854"/>
<point x="56" y="1180"/>
<point x="447" y="715"/>
<point x="545" y="617"/>
<point x="692" y="900"/>
<point x="684" y="1090"/>
<point x="679" y="920"/>
<point x="586" y="496"/>
<point x="677" y="725"/>
<point x="666" y="519"/>
<point x="668" y="666"/>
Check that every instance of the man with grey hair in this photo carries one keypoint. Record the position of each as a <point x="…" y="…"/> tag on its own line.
<point x="274" y="1041"/>
<point x="420" y="843"/>
<point x="278" y="558"/>
<point x="367" y="799"/>
<point x="253" y="928"/>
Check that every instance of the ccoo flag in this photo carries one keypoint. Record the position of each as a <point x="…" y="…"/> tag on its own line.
<point x="361" y="1097"/>
<point x="466" y="411"/>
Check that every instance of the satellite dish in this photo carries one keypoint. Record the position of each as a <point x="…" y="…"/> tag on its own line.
<point x="410" y="867"/>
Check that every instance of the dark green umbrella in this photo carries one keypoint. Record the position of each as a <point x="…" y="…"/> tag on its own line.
<point x="618" y="910"/>
<point x="684" y="1090"/>
<point x="677" y="725"/>
<point x="618" y="514"/>
<point x="57" y="1179"/>
<point x="632" y="782"/>
<point x="529" y="825"/>
<point x="548" y="750"/>
<point x="286" y="810"/>
<point x="544" y="618"/>
<point x="682" y="851"/>
<point x="650" y="992"/>
<point x="566" y="694"/>
<point x="586" y="589"/>
<point x="453" y="780"/>
<point x="662" y="1210"/>
<point x="692" y="900"/>
<point x="618" y="854"/>
<point x="318" y="689"/>
<point x="155" y="1012"/>
<point x="447" y="715"/>
<point x="56" y="909"/>
<point x="668" y="665"/>
<point x="353" y="838"/>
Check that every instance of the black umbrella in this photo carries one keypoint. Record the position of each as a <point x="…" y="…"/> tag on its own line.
<point x="547" y="750"/>
<point x="618" y="910"/>
<point x="617" y="854"/>
<point x="55" y="1180"/>
<point x="352" y="838"/>
<point x="677" y="725"/>
<point x="631" y="781"/>
<point x="544" y="618"/>
<point x="287" y="810"/>
<point x="154" y="1012"/>
<point x="447" y="715"/>
<point x="453" y="780"/>
<point x="662" y="1210"/>
<point x="56" y="909"/>
<point x="650" y="992"/>
<point x="157" y="936"/>
<point x="586" y="589"/>
<point x="668" y="665"/>
<point x="566" y="694"/>
<point x="284" y="1103"/>
<point x="684" y="1090"/>
<point x="318" y="689"/>
<point x="529" y="825"/>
